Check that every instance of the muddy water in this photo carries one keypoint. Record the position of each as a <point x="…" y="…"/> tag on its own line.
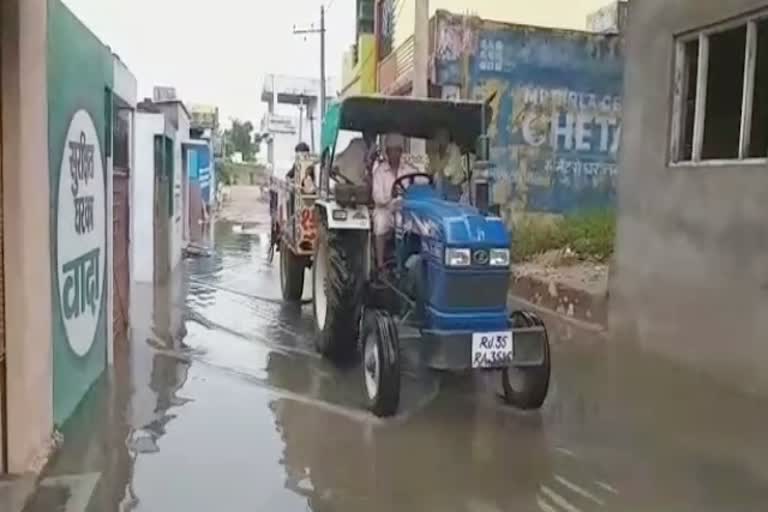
<point x="221" y="403"/>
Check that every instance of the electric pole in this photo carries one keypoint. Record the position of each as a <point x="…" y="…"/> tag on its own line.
<point x="320" y="31"/>
<point x="322" y="63"/>
<point x="420" y="62"/>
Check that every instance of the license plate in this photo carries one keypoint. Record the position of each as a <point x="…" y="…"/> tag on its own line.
<point x="492" y="349"/>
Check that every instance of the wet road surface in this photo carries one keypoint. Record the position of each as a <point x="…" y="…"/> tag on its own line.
<point x="221" y="403"/>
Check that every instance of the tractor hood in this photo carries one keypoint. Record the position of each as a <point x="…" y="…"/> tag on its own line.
<point x="424" y="212"/>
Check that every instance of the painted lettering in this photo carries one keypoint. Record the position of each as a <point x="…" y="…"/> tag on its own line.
<point x="583" y="132"/>
<point x="84" y="214"/>
<point x="605" y="124"/>
<point x="80" y="162"/>
<point x="572" y="100"/>
<point x="563" y="127"/>
<point x="534" y="131"/>
<point x="616" y="140"/>
<point x="531" y="96"/>
<point x="491" y="55"/>
<point x="576" y="173"/>
<point x="81" y="285"/>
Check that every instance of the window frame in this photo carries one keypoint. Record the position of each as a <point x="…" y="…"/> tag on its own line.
<point x="679" y="92"/>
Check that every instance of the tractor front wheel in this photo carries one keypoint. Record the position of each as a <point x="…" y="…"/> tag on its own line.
<point x="381" y="362"/>
<point x="291" y="274"/>
<point x="337" y="285"/>
<point x="527" y="387"/>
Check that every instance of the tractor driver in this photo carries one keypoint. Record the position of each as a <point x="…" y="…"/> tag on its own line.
<point x="385" y="173"/>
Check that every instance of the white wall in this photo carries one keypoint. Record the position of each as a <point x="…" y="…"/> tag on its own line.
<point x="177" y="226"/>
<point x="143" y="201"/>
<point x="124" y="84"/>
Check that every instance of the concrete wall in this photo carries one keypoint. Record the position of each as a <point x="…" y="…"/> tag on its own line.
<point x="547" y="13"/>
<point x="27" y="243"/>
<point x="691" y="275"/>
<point x="179" y="201"/>
<point x="178" y="119"/>
<point x="148" y="125"/>
<point x="610" y="19"/>
<point x="125" y="85"/>
<point x="556" y="114"/>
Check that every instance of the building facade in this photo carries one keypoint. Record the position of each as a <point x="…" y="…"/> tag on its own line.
<point x="609" y="19"/>
<point x="293" y="116"/>
<point x="556" y="108"/>
<point x="125" y="96"/>
<point x="556" y="101"/>
<point x="151" y="215"/>
<point x="204" y="131"/>
<point x="79" y="146"/>
<point x="398" y="16"/>
<point x="27" y="389"/>
<point x="60" y="106"/>
<point x="358" y="68"/>
<point x="178" y="117"/>
<point x="691" y="274"/>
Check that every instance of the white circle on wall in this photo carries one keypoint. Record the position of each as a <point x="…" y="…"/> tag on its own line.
<point x="81" y="233"/>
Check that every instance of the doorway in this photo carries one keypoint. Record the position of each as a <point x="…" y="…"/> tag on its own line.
<point x="121" y="221"/>
<point x="163" y="216"/>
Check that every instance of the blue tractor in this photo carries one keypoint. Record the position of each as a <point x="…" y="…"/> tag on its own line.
<point x="449" y="269"/>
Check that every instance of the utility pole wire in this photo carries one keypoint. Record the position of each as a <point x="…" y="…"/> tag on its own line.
<point x="320" y="31"/>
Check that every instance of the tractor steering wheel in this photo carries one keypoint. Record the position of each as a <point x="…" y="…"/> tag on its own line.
<point x="398" y="187"/>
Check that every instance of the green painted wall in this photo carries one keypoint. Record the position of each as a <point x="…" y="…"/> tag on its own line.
<point x="80" y="78"/>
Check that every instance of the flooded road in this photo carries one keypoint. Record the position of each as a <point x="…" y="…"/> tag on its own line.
<point x="221" y="403"/>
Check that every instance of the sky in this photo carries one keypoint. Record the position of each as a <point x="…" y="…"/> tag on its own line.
<point x="217" y="52"/>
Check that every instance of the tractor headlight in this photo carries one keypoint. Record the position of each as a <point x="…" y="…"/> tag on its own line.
<point x="458" y="257"/>
<point x="499" y="257"/>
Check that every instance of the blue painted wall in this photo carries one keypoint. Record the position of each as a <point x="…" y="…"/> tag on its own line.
<point x="206" y="174"/>
<point x="200" y="170"/>
<point x="557" y="112"/>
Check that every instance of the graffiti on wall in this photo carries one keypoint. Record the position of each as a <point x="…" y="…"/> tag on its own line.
<point x="456" y="38"/>
<point x="557" y="118"/>
<point x="582" y="131"/>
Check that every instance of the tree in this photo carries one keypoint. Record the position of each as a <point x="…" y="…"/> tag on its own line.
<point x="239" y="138"/>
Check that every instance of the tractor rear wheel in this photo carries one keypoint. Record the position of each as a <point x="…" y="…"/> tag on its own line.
<point x="527" y="387"/>
<point x="291" y="274"/>
<point x="381" y="362"/>
<point x="337" y="285"/>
